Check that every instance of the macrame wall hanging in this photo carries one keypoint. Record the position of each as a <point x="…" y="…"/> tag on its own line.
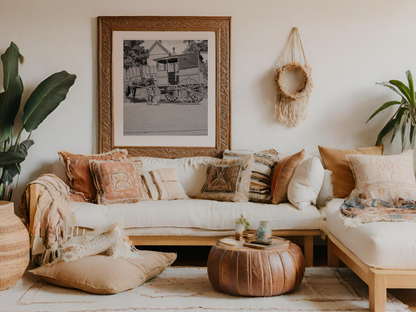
<point x="291" y="105"/>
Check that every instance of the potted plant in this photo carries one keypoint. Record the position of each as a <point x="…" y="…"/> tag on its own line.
<point x="13" y="151"/>
<point x="404" y="119"/>
<point x="241" y="225"/>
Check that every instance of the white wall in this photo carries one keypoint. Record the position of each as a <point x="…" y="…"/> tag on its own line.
<point x="350" y="46"/>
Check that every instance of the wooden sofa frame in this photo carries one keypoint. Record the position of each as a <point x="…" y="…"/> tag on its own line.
<point x="378" y="280"/>
<point x="191" y="240"/>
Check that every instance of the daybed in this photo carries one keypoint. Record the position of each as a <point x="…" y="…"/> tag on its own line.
<point x="190" y="221"/>
<point x="382" y="254"/>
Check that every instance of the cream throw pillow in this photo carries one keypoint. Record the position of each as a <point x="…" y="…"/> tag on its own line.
<point x="384" y="177"/>
<point x="104" y="275"/>
<point x="306" y="183"/>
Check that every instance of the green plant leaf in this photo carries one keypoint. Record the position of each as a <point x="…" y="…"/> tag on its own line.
<point x="411" y="88"/>
<point x="383" y="107"/>
<point x="45" y="99"/>
<point x="387" y="128"/>
<point x="384" y="84"/>
<point x="403" y="132"/>
<point x="13" y="89"/>
<point x="403" y="89"/>
<point x="412" y="135"/>
<point x="398" y="121"/>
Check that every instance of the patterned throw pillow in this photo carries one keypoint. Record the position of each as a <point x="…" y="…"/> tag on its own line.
<point x="262" y="173"/>
<point x="228" y="179"/>
<point x="167" y="184"/>
<point x="118" y="182"/>
<point x="77" y="170"/>
<point x="384" y="177"/>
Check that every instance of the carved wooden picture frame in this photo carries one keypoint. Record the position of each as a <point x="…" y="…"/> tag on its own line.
<point x="138" y="101"/>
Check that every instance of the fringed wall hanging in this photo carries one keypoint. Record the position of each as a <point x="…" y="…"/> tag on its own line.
<point x="291" y="105"/>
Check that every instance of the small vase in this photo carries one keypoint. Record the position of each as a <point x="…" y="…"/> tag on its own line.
<point x="264" y="233"/>
<point x="14" y="246"/>
<point x="239" y="229"/>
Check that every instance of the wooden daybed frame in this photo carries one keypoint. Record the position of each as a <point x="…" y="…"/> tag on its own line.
<point x="192" y="240"/>
<point x="378" y="280"/>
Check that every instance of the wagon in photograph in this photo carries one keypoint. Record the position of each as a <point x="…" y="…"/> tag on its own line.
<point x="179" y="77"/>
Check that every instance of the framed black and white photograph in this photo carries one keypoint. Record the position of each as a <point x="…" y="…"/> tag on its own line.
<point x="169" y="90"/>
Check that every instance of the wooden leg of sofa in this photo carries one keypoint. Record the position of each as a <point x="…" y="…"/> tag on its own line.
<point x="377" y="291"/>
<point x="308" y="248"/>
<point x="333" y="260"/>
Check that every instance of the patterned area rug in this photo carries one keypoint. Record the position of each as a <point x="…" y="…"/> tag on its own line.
<point x="188" y="289"/>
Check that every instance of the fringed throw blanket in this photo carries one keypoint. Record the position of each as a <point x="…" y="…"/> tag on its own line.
<point x="52" y="226"/>
<point x="356" y="211"/>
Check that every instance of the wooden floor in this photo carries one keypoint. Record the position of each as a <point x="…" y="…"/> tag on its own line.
<point x="197" y="256"/>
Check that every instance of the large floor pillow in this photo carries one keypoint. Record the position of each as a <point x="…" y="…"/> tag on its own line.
<point x="104" y="275"/>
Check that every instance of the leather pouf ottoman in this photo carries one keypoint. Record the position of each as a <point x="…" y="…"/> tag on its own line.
<point x="255" y="273"/>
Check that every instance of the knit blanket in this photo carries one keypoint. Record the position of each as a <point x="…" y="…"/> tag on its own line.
<point x="356" y="211"/>
<point x="51" y="227"/>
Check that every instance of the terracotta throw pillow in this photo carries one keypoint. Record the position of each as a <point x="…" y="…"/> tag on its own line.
<point x="336" y="161"/>
<point x="384" y="177"/>
<point x="118" y="182"/>
<point x="228" y="180"/>
<point x="283" y="174"/>
<point x="104" y="275"/>
<point x="77" y="170"/>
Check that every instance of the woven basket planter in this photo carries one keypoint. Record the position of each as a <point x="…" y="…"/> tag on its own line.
<point x="14" y="246"/>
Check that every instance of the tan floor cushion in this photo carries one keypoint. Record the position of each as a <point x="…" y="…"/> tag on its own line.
<point x="103" y="275"/>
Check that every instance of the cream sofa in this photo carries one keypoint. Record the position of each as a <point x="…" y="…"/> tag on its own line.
<point x="192" y="221"/>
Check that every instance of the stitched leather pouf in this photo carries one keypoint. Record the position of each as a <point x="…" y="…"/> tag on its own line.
<point x="255" y="273"/>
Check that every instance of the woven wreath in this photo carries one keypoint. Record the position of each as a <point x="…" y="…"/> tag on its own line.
<point x="291" y="106"/>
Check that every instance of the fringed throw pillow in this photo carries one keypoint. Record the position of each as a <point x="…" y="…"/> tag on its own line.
<point x="262" y="172"/>
<point x="118" y="182"/>
<point x="77" y="170"/>
<point x="228" y="179"/>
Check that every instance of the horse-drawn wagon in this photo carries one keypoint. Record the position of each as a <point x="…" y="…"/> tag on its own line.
<point x="179" y="77"/>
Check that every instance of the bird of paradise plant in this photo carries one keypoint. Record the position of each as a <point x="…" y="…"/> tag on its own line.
<point x="404" y="119"/>
<point x="44" y="100"/>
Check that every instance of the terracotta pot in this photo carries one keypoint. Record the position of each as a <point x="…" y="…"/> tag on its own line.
<point x="14" y="246"/>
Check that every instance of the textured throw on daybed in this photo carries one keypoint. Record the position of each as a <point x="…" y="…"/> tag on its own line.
<point x="52" y="228"/>
<point x="356" y="211"/>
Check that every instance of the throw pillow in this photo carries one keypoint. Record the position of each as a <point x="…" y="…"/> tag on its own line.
<point x="167" y="184"/>
<point x="228" y="180"/>
<point x="326" y="193"/>
<point x="77" y="169"/>
<point x="283" y="174"/>
<point x="261" y="176"/>
<point x="118" y="182"/>
<point x="306" y="183"/>
<point x="104" y="275"/>
<point x="336" y="160"/>
<point x="384" y="177"/>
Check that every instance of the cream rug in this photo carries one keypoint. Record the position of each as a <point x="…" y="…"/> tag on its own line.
<point x="188" y="289"/>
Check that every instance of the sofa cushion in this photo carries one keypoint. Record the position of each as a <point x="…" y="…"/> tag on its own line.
<point x="383" y="245"/>
<point x="306" y="183"/>
<point x="336" y="160"/>
<point x="195" y="213"/>
<point x="283" y="174"/>
<point x="384" y="177"/>
<point x="118" y="182"/>
<point x="167" y="184"/>
<point x="77" y="169"/>
<point x="191" y="170"/>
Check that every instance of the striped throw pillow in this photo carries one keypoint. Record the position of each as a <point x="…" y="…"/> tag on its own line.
<point x="167" y="184"/>
<point x="262" y="172"/>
